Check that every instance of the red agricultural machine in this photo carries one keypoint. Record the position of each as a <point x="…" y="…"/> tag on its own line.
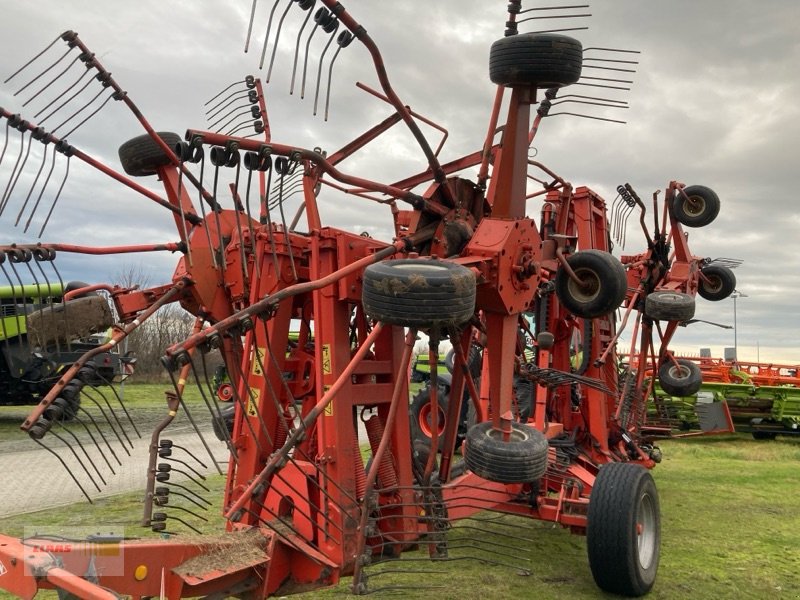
<point x="324" y="478"/>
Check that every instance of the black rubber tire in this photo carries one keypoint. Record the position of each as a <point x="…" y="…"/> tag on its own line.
<point x="764" y="435"/>
<point x="624" y="560"/>
<point x="721" y="283"/>
<point x="682" y="380"/>
<point x="669" y="306"/>
<point x="226" y="414"/>
<point x="544" y="60"/>
<point x="604" y="277"/>
<point x="474" y="361"/>
<point x="142" y="156"/>
<point x="420" y="415"/>
<point x="700" y="209"/>
<point x="419" y="293"/>
<point x="521" y="459"/>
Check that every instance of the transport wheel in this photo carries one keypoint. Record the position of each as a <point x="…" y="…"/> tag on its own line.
<point x="683" y="379"/>
<point x="225" y="419"/>
<point x="419" y="293"/>
<point x="69" y="321"/>
<point x="141" y="156"/>
<point x="669" y="306"/>
<point x="696" y="207"/>
<point x="623" y="535"/>
<point x="474" y="361"/>
<point x="421" y="415"/>
<point x="521" y="459"/>
<point x="603" y="287"/>
<point x="721" y="282"/>
<point x="544" y="60"/>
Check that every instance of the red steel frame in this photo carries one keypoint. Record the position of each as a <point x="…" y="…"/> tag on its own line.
<point x="305" y="491"/>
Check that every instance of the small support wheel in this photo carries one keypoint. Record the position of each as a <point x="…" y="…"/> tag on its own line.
<point x="623" y="535"/>
<point x="474" y="360"/>
<point x="421" y="415"/>
<point x="142" y="156"/>
<point x="544" y="60"/>
<point x="717" y="282"/>
<point x="602" y="288"/>
<point x="669" y="306"/>
<point x="419" y="293"/>
<point x="695" y="206"/>
<point x="520" y="459"/>
<point x="681" y="379"/>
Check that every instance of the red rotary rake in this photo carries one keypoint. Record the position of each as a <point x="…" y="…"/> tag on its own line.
<point x="324" y="478"/>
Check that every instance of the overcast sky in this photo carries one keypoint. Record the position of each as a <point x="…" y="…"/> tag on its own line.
<point x="715" y="102"/>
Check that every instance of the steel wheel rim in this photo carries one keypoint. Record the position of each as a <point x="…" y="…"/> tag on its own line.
<point x="646" y="531"/>
<point x="695" y="206"/>
<point x="426" y="417"/>
<point x="589" y="287"/>
<point x="516" y="435"/>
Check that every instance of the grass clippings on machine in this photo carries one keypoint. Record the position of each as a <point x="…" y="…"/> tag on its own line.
<point x="467" y="264"/>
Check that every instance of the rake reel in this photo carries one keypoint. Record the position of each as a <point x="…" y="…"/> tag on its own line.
<point x="316" y="329"/>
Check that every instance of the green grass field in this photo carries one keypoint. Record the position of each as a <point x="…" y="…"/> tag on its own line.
<point x="730" y="529"/>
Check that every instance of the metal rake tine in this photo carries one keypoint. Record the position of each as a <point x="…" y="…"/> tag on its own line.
<point x="21" y="169"/>
<point x="305" y="57"/>
<point x="102" y="435"/>
<point x="615" y="209"/>
<point x="66" y="468"/>
<point x="77" y="112"/>
<point x="197" y="431"/>
<point x="5" y="143"/>
<point x="342" y="41"/>
<point x="55" y="64"/>
<point x="122" y="406"/>
<point x="94" y="440"/>
<point x="113" y="414"/>
<point x="55" y="200"/>
<point x="83" y="449"/>
<point x="3" y="199"/>
<point x="78" y="458"/>
<point x="93" y="113"/>
<point x="67" y="101"/>
<point x="52" y="81"/>
<point x="277" y="37"/>
<point x="322" y="59"/>
<point x="225" y="103"/>
<point x="218" y="94"/>
<point x="250" y="26"/>
<point x="33" y="187"/>
<point x="297" y="45"/>
<point x="41" y="193"/>
<point x="31" y="61"/>
<point x="266" y="35"/>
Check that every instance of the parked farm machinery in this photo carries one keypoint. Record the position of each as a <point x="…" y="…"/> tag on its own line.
<point x="466" y="264"/>
<point x="760" y="398"/>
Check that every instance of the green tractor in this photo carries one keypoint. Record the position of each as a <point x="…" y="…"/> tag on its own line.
<point x="41" y="335"/>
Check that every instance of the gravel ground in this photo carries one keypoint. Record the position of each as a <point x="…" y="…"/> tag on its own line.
<point x="33" y="478"/>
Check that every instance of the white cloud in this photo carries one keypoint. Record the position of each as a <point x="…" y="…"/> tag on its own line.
<point x="713" y="103"/>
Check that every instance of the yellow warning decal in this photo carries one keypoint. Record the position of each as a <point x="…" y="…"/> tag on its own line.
<point x="329" y="408"/>
<point x="326" y="359"/>
<point x="252" y="406"/>
<point x="256" y="361"/>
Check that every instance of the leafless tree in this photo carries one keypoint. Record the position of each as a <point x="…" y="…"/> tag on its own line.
<point x="169" y="325"/>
